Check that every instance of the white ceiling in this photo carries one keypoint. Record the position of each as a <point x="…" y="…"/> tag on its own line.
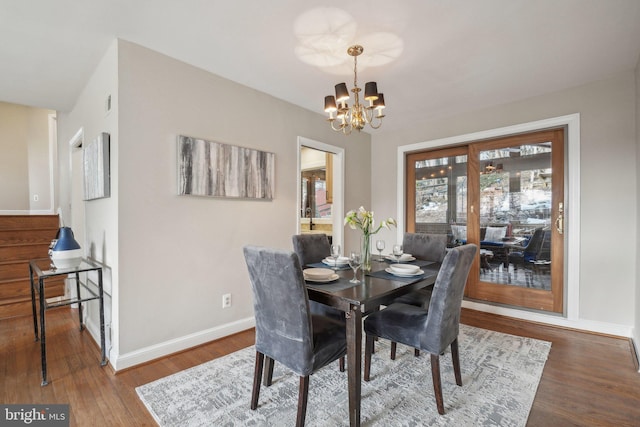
<point x="452" y="56"/>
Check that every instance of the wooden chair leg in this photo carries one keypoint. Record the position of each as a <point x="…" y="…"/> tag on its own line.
<point x="437" y="384"/>
<point x="257" y="374"/>
<point x="455" y="356"/>
<point x="302" y="401"/>
<point x="268" y="371"/>
<point x="341" y="361"/>
<point x="373" y="348"/>
<point x="393" y="350"/>
<point x="416" y="352"/>
<point x="368" y="349"/>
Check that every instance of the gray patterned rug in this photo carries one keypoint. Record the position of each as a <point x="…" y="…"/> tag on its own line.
<point x="500" y="375"/>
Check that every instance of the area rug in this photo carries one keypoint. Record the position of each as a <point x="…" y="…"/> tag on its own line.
<point x="500" y="376"/>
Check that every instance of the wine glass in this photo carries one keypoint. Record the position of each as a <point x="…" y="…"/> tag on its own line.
<point x="354" y="262"/>
<point x="380" y="248"/>
<point x="397" y="252"/>
<point x="335" y="254"/>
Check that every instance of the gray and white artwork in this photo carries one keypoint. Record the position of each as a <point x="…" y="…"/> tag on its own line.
<point x="95" y="162"/>
<point x="207" y="168"/>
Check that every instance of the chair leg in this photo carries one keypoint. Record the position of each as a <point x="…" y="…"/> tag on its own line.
<point x="341" y="364"/>
<point x="302" y="401"/>
<point x="368" y="349"/>
<point x="257" y="374"/>
<point x="437" y="384"/>
<point x="393" y="350"/>
<point x="268" y="372"/>
<point x="455" y="356"/>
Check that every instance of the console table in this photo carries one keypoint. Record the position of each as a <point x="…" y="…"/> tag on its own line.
<point x="38" y="280"/>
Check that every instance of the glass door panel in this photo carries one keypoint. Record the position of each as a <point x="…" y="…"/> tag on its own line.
<point x="519" y="194"/>
<point x="437" y="196"/>
<point x="515" y="202"/>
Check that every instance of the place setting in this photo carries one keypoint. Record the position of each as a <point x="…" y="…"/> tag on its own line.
<point x="397" y="255"/>
<point x="320" y="275"/>
<point x="334" y="261"/>
<point x="404" y="270"/>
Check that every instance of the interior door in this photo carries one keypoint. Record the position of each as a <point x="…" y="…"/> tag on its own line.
<point x="507" y="196"/>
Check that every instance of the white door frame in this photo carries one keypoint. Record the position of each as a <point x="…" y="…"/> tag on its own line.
<point x="572" y="204"/>
<point x="338" y="185"/>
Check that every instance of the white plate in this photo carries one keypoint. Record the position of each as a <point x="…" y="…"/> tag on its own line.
<point x="330" y="279"/>
<point x="343" y="260"/>
<point x="403" y="258"/>
<point x="404" y="268"/>
<point x="417" y="273"/>
<point x="317" y="273"/>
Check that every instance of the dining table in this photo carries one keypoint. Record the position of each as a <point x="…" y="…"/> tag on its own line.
<point x="377" y="287"/>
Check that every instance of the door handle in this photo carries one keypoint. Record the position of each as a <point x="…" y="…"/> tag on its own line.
<point x="559" y="224"/>
<point x="560" y="218"/>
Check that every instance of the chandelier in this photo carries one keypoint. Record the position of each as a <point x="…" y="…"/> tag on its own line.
<point x="358" y="115"/>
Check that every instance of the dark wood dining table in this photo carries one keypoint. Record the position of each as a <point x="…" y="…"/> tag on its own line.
<point x="377" y="288"/>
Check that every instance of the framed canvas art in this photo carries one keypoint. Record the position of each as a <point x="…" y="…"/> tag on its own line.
<point x="95" y="160"/>
<point x="213" y="169"/>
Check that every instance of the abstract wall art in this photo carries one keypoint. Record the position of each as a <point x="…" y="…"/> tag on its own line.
<point x="213" y="169"/>
<point x="95" y="162"/>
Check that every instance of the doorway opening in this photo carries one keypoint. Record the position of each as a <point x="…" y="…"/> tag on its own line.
<point x="320" y="189"/>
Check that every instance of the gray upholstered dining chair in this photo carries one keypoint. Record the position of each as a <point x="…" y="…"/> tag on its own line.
<point x="312" y="249"/>
<point x="431" y="329"/>
<point x="428" y="247"/>
<point x="286" y="331"/>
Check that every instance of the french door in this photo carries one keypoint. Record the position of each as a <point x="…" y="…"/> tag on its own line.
<point x="506" y="195"/>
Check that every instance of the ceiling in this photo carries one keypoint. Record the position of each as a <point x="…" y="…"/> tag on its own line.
<point x="431" y="58"/>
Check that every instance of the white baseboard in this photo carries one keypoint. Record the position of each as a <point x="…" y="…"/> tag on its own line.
<point x="28" y="212"/>
<point x="554" y="320"/>
<point x="123" y="361"/>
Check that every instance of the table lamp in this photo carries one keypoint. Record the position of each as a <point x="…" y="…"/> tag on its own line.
<point x="64" y="251"/>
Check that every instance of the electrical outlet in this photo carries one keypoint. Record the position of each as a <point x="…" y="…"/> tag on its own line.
<point x="226" y="300"/>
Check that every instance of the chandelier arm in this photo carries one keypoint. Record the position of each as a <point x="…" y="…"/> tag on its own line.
<point x="368" y="115"/>
<point x="338" y="129"/>
<point x="374" y="126"/>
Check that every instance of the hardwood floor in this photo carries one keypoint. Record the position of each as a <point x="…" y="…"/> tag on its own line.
<point x="588" y="380"/>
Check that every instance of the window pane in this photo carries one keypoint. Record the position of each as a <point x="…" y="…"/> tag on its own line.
<point x="441" y="193"/>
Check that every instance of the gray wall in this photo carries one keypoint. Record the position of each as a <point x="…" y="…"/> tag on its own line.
<point x="608" y="203"/>
<point x="174" y="257"/>
<point x="24" y="164"/>
<point x="101" y="236"/>
<point x="636" y="337"/>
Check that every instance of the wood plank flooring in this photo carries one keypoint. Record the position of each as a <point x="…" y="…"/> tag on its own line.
<point x="589" y="380"/>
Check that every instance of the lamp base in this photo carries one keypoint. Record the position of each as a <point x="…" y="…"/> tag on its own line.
<point x="66" y="259"/>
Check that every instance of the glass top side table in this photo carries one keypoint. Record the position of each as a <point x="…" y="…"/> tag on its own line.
<point x="38" y="278"/>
